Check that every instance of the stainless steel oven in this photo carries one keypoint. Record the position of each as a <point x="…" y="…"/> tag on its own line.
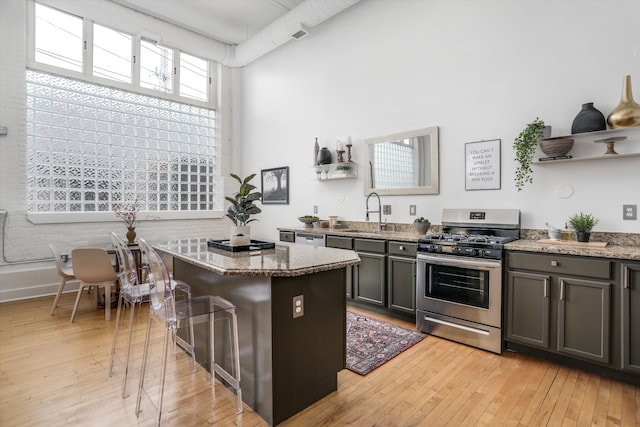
<point x="460" y="299"/>
<point x="459" y="276"/>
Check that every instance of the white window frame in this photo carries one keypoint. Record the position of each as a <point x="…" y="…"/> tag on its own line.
<point x="87" y="75"/>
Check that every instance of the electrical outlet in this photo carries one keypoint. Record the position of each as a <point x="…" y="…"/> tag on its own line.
<point x="630" y="212"/>
<point x="386" y="209"/>
<point x="298" y="306"/>
<point x="412" y="209"/>
<point x="315" y="209"/>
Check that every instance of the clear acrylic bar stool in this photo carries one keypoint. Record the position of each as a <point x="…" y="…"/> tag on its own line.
<point x="172" y="307"/>
<point x="132" y="293"/>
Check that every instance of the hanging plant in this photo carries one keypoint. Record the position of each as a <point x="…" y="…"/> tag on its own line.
<point x="525" y="146"/>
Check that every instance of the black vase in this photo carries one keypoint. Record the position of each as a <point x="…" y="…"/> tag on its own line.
<point x="583" y="236"/>
<point x="589" y="119"/>
<point x="324" y="156"/>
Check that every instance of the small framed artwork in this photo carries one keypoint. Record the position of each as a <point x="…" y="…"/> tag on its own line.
<point x="275" y="186"/>
<point x="482" y="165"/>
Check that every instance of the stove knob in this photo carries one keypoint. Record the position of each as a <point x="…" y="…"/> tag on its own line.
<point x="473" y="252"/>
<point x="439" y="249"/>
<point x="455" y="250"/>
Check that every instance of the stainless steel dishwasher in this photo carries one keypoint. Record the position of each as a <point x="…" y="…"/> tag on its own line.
<point x="313" y="239"/>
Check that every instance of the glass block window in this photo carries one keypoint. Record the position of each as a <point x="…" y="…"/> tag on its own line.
<point x="111" y="54"/>
<point x="394" y="164"/>
<point x="91" y="148"/>
<point x="156" y="67"/>
<point x="58" y="38"/>
<point x="193" y="77"/>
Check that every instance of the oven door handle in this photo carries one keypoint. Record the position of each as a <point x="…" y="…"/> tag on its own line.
<point x="480" y="265"/>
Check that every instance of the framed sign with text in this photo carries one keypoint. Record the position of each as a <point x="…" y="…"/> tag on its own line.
<point x="482" y="165"/>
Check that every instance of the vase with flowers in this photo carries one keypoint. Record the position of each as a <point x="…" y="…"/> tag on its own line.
<point x="128" y="213"/>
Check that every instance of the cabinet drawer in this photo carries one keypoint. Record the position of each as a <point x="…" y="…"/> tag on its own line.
<point x="369" y="245"/>
<point x="562" y="264"/>
<point x="287" y="236"/>
<point x="339" y="242"/>
<point x="402" y="249"/>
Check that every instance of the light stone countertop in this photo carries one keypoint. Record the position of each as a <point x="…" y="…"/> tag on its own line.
<point x="402" y="235"/>
<point x="610" y="251"/>
<point x="625" y="246"/>
<point x="285" y="260"/>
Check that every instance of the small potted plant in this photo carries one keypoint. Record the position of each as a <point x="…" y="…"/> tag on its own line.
<point x="583" y="224"/>
<point x="343" y="168"/>
<point x="421" y="225"/>
<point x="525" y="146"/>
<point x="242" y="207"/>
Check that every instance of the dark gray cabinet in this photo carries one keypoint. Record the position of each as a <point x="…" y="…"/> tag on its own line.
<point x="560" y="303"/>
<point x="584" y="318"/>
<point x="287" y="236"/>
<point x="630" y="330"/>
<point x="528" y="304"/>
<point x="341" y="242"/>
<point x="370" y="274"/>
<point x="401" y="277"/>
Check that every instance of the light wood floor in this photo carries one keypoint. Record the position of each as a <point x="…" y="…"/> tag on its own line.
<point x="54" y="373"/>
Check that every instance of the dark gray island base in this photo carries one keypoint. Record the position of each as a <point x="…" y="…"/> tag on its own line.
<point x="286" y="363"/>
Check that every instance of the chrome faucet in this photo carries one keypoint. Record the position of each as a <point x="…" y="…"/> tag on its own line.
<point x="379" y="211"/>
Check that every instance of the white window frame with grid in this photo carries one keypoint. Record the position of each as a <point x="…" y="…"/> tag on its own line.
<point x="171" y="134"/>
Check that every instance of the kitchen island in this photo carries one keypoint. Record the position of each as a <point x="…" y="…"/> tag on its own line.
<point x="286" y="363"/>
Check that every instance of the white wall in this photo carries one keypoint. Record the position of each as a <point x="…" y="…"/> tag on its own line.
<point x="479" y="70"/>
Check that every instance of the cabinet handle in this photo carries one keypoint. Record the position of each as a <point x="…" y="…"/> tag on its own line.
<point x="561" y="290"/>
<point x="546" y="288"/>
<point x="625" y="277"/>
<point x="401" y="248"/>
<point x="554" y="263"/>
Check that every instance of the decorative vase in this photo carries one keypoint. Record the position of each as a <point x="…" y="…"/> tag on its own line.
<point x="589" y="119"/>
<point x="131" y="235"/>
<point x="583" y="236"/>
<point x="421" y="227"/>
<point x="240" y="231"/>
<point x="324" y="156"/>
<point x="316" y="149"/>
<point x="627" y="113"/>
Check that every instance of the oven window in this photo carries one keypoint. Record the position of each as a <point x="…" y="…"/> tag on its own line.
<point x="457" y="284"/>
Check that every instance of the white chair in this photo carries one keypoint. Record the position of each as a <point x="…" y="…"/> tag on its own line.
<point x="65" y="273"/>
<point x="92" y="266"/>
<point x="171" y="307"/>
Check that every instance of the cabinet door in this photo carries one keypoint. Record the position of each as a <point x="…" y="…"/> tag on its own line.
<point x="528" y="301"/>
<point x="631" y="317"/>
<point x="401" y="284"/>
<point x="370" y="279"/>
<point x="584" y="313"/>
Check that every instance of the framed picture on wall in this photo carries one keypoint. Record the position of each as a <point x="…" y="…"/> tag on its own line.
<point x="275" y="186"/>
<point x="482" y="165"/>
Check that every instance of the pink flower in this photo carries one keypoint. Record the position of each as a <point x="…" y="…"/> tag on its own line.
<point x="129" y="213"/>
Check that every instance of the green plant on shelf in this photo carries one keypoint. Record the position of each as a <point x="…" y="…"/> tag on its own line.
<point x="525" y="146"/>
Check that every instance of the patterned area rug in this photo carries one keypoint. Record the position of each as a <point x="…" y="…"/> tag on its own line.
<point x="371" y="343"/>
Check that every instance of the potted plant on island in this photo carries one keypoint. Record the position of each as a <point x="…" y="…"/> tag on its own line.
<point x="525" y="146"/>
<point x="583" y="224"/>
<point x="240" y="210"/>
<point x="421" y="225"/>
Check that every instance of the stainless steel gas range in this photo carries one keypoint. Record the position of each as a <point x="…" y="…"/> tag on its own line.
<point x="459" y="276"/>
